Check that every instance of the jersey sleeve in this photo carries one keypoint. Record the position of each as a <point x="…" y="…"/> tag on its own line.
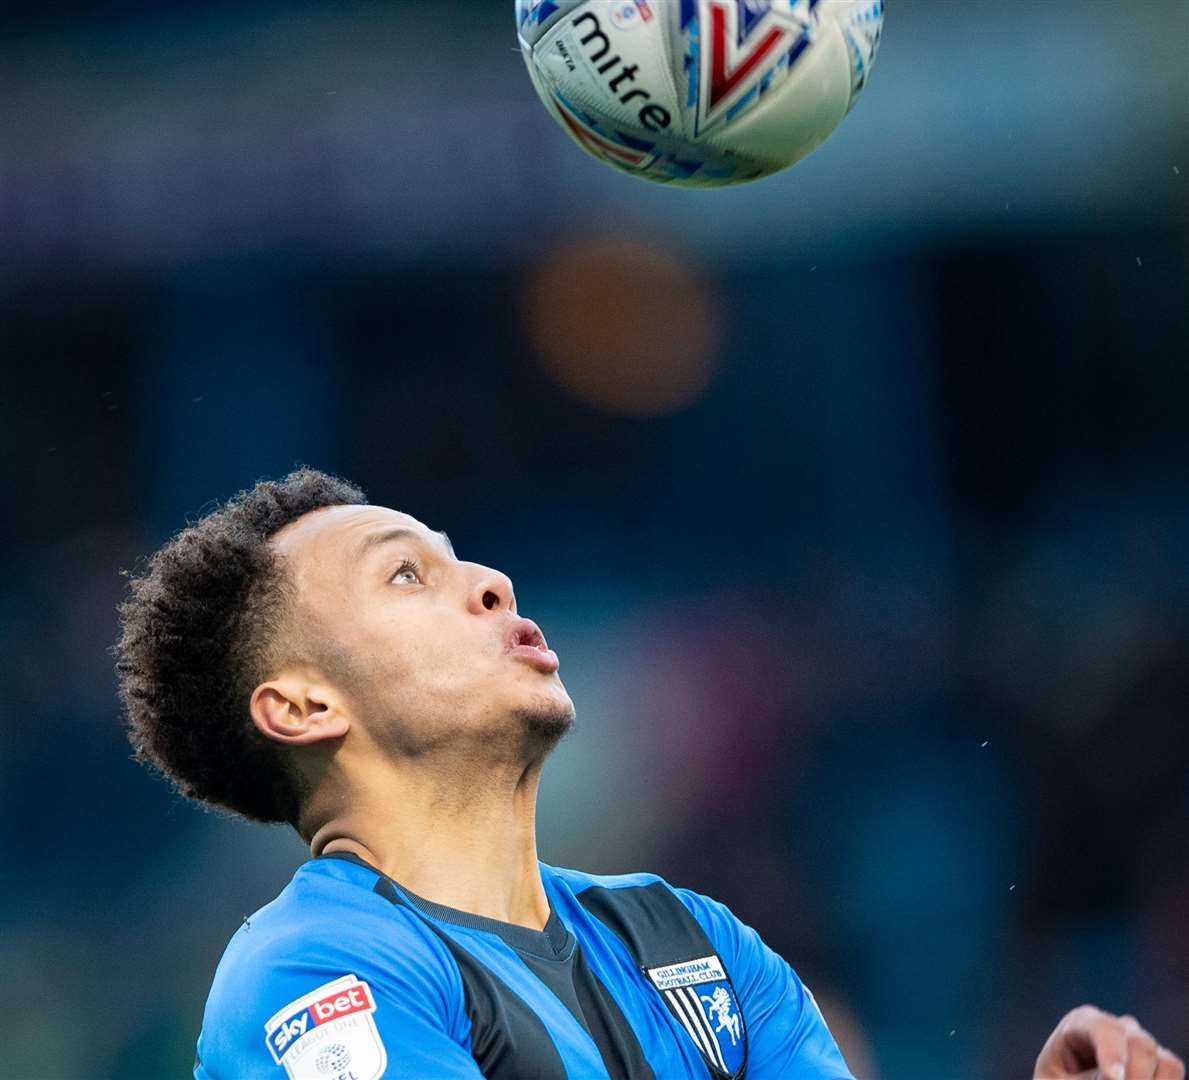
<point x="314" y="1012"/>
<point x="787" y="1036"/>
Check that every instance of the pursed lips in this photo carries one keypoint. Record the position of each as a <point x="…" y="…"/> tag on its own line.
<point x="526" y="642"/>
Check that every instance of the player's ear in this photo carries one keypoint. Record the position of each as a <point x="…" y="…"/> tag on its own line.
<point x="298" y="711"/>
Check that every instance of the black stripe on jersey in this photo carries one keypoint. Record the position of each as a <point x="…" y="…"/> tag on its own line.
<point x="506" y="1034"/>
<point x="591" y="1004"/>
<point x="613" y="1035"/>
<point x="656" y="927"/>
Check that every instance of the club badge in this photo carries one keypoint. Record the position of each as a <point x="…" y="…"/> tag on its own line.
<point x="700" y="995"/>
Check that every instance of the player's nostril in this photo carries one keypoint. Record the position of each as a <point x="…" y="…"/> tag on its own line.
<point x="490" y="600"/>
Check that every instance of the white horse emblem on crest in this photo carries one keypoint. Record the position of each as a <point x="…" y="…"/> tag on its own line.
<point x="719" y="1003"/>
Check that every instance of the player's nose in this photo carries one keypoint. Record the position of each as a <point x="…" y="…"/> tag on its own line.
<point x="491" y="591"/>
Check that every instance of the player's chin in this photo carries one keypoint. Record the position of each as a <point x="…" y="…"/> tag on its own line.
<point x="553" y="697"/>
<point x="547" y="709"/>
<point x="546" y="725"/>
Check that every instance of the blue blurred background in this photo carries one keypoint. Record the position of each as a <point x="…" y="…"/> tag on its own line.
<point x="854" y="500"/>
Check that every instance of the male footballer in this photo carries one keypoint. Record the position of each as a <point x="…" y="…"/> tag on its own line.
<point x="300" y="656"/>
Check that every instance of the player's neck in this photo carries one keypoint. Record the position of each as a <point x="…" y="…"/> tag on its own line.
<point x="467" y="842"/>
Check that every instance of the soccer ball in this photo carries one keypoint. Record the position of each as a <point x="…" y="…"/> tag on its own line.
<point x="699" y="92"/>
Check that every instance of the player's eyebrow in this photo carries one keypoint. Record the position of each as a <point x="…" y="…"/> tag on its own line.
<point x="374" y="540"/>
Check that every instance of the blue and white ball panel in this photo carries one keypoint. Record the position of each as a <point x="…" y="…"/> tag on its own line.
<point x="607" y="75"/>
<point x="703" y="92"/>
<point x="862" y="23"/>
<point x="534" y="17"/>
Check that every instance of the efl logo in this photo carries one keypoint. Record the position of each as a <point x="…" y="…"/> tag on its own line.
<point x="626" y="14"/>
<point x="334" y="1000"/>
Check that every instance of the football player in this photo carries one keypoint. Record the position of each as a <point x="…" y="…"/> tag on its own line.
<point x="300" y="656"/>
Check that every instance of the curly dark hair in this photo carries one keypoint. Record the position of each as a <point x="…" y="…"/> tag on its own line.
<point x="201" y="628"/>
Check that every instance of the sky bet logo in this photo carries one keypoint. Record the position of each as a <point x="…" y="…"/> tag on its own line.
<point x="344" y="998"/>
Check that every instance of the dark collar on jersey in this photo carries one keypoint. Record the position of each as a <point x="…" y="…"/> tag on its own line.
<point x="553" y="943"/>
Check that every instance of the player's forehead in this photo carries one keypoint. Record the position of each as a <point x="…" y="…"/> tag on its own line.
<point x="336" y="533"/>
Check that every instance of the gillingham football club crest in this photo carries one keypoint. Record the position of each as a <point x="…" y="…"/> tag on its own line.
<point x="699" y="993"/>
<point x="328" y="1034"/>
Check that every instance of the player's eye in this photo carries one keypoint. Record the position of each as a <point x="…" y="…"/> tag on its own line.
<point x="408" y="573"/>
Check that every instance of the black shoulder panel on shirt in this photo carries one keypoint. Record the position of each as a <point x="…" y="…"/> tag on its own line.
<point x="658" y="930"/>
<point x="656" y="927"/>
<point x="506" y="1035"/>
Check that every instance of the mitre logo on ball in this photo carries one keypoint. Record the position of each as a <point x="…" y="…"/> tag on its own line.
<point x="699" y="92"/>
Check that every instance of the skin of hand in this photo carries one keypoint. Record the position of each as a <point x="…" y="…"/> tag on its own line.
<point x="1089" y="1044"/>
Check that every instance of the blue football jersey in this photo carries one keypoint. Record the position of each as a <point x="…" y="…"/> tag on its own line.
<point x="349" y="976"/>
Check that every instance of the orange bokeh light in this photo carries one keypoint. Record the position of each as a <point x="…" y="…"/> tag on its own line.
<point x="626" y="326"/>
